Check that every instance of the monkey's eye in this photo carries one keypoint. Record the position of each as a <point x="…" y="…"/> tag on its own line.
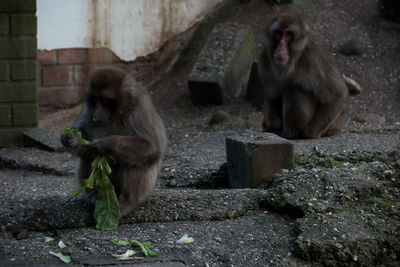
<point x="90" y="100"/>
<point x="106" y="102"/>
<point x="288" y="34"/>
<point x="278" y="34"/>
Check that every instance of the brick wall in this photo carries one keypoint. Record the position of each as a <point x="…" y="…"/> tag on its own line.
<point x="18" y="84"/>
<point x="61" y="77"/>
<point x="64" y="73"/>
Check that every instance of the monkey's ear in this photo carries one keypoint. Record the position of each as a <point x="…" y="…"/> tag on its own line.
<point x="129" y="84"/>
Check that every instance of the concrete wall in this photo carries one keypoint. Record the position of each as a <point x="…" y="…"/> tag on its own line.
<point x="129" y="28"/>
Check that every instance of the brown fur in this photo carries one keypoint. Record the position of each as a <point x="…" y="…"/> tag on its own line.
<point x="307" y="97"/>
<point x="133" y="135"/>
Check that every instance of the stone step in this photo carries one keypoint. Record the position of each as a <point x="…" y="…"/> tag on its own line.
<point x="222" y="69"/>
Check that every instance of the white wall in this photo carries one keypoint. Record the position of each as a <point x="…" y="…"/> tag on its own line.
<point x="130" y="28"/>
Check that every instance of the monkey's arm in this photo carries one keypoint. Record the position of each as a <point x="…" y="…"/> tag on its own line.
<point x="272" y="109"/>
<point x="130" y="150"/>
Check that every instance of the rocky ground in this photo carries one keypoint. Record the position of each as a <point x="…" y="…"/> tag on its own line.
<point x="339" y="206"/>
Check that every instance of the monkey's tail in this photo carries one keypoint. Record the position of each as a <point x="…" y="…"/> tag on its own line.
<point x="353" y="86"/>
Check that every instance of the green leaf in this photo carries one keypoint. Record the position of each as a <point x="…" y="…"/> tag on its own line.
<point x="120" y="242"/>
<point x="63" y="258"/>
<point x="107" y="206"/>
<point x="145" y="247"/>
<point x="75" y="193"/>
<point x="68" y="131"/>
<point x="77" y="134"/>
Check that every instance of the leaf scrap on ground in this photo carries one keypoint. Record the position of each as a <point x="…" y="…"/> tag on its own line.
<point x="61" y="244"/>
<point x="128" y="254"/>
<point x="185" y="239"/>
<point x="48" y="239"/>
<point x="63" y="258"/>
<point x="145" y="246"/>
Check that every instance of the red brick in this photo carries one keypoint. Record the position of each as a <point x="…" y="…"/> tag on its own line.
<point x="80" y="75"/>
<point x="60" y="97"/>
<point x="57" y="76"/>
<point x="46" y="56"/>
<point x="72" y="56"/>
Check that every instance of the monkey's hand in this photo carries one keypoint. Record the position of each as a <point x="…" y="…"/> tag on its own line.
<point x="69" y="140"/>
<point x="102" y="146"/>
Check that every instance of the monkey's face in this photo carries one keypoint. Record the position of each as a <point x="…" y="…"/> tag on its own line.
<point x="286" y="38"/>
<point x="103" y="107"/>
<point x="282" y="37"/>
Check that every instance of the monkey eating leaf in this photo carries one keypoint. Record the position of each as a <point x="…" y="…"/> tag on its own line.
<point x="107" y="208"/>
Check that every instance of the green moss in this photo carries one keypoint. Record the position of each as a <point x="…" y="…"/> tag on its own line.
<point x="244" y="59"/>
<point x="374" y="203"/>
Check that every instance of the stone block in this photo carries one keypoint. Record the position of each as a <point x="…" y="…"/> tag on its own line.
<point x="18" y="6"/>
<point x="18" y="92"/>
<point x="222" y="68"/>
<point x="72" y="56"/>
<point x="23" y="70"/>
<point x="25" y="114"/>
<point x="5" y="115"/>
<point x="3" y="25"/>
<point x="4" y="71"/>
<point x="23" y="25"/>
<point x="57" y="76"/>
<point x="42" y="139"/>
<point x="46" y="56"/>
<point x="254" y="157"/>
<point x="18" y="48"/>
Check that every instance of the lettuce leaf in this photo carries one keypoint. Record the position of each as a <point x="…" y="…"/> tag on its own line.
<point x="107" y="207"/>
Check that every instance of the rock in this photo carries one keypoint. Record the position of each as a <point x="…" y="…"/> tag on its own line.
<point x="218" y="117"/>
<point x="370" y="118"/>
<point x="20" y="234"/>
<point x="353" y="86"/>
<point x="254" y="157"/>
<point x="222" y="68"/>
<point x="42" y="139"/>
<point x="352" y="47"/>
<point x="347" y="238"/>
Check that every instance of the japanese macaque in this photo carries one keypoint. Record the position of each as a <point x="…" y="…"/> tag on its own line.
<point x="305" y="94"/>
<point x="122" y="124"/>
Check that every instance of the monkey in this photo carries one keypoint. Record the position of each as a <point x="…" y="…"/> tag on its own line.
<point x="119" y="119"/>
<point x="305" y="95"/>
